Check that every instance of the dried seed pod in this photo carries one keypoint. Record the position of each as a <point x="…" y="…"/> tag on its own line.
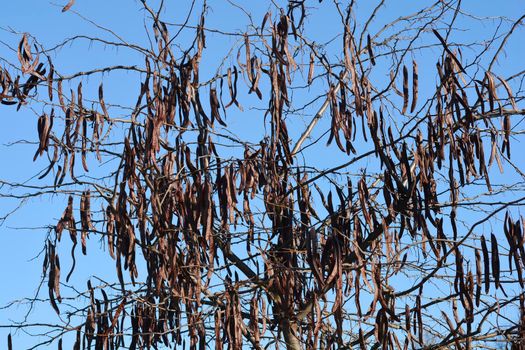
<point x="248" y="58"/>
<point x="478" y="277"/>
<point x="405" y="90"/>
<point x="24" y="54"/>
<point x="102" y="102"/>
<point x="491" y="88"/>
<point x="214" y="106"/>
<point x="510" y="94"/>
<point x="53" y="281"/>
<point x="495" y="260"/>
<point x="44" y="130"/>
<point x="68" y="5"/>
<point x="407" y="318"/>
<point x="265" y="19"/>
<point x="415" y="86"/>
<point x="61" y="96"/>
<point x="232" y="86"/>
<point x="256" y="74"/>
<point x="50" y="81"/>
<point x="85" y="217"/>
<point x="381" y="327"/>
<point x="506" y="130"/>
<point x="369" y="49"/>
<point x="311" y="68"/>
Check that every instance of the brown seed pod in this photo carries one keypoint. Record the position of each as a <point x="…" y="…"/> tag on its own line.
<point x="415" y="86"/>
<point x="405" y="90"/>
<point x="24" y="55"/>
<point x="85" y="217"/>
<point x="44" y="130"/>
<point x="214" y="106"/>
<point x="486" y="263"/>
<point x="311" y="68"/>
<point x="506" y="130"/>
<point x="256" y="74"/>
<point x="61" y="96"/>
<point x="50" y="81"/>
<point x="369" y="49"/>
<point x="232" y="86"/>
<point x="249" y="69"/>
<point x="510" y="94"/>
<point x="407" y="318"/>
<point x="495" y="260"/>
<point x="102" y="102"/>
<point x="381" y="327"/>
<point x="53" y="281"/>
<point x="478" y="277"/>
<point x="68" y="5"/>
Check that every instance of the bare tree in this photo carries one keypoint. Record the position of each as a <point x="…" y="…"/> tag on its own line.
<point x="283" y="185"/>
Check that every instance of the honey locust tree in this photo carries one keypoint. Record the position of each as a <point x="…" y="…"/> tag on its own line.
<point x="311" y="175"/>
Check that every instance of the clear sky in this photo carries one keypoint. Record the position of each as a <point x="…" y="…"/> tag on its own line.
<point x="22" y="234"/>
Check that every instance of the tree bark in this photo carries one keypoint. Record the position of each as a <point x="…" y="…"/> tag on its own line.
<point x="290" y="329"/>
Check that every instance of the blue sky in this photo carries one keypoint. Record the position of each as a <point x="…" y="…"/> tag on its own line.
<point x="20" y="244"/>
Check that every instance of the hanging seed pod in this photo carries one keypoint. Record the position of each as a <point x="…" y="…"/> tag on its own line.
<point x="486" y="263"/>
<point x="405" y="90"/>
<point x="68" y="5"/>
<point x="249" y="68"/>
<point x="53" y="282"/>
<point x="369" y="49"/>
<point x="478" y="277"/>
<point x="214" y="106"/>
<point x="44" y="129"/>
<point x="495" y="260"/>
<point x="50" y="81"/>
<point x="102" y="102"/>
<point x="85" y="218"/>
<point x="311" y="68"/>
<point x="510" y="94"/>
<point x="415" y="86"/>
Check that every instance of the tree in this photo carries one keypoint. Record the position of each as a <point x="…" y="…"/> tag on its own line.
<point x="283" y="185"/>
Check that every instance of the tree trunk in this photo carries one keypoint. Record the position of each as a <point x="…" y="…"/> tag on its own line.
<point x="290" y="330"/>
